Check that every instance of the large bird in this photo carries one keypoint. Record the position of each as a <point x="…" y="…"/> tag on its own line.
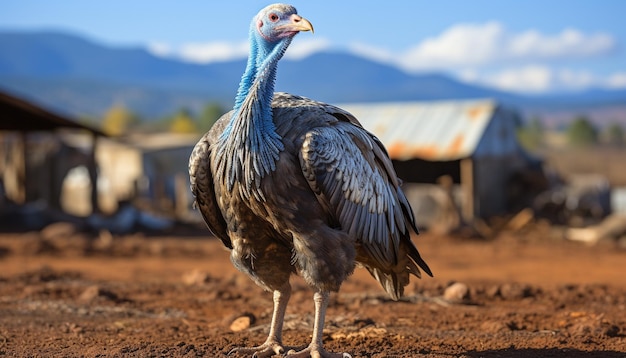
<point x="291" y="185"/>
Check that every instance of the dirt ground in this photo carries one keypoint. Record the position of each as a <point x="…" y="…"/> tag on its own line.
<point x="529" y="294"/>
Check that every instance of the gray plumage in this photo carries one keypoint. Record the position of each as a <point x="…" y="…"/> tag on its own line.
<point x="291" y="185"/>
<point x="333" y="177"/>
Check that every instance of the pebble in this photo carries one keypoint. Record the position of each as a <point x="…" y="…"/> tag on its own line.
<point x="93" y="292"/>
<point x="196" y="277"/>
<point x="242" y="323"/>
<point x="89" y="294"/>
<point x="456" y="293"/>
<point x="512" y="291"/>
<point x="59" y="229"/>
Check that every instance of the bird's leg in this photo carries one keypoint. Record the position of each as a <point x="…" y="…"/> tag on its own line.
<point x="273" y="344"/>
<point x="315" y="348"/>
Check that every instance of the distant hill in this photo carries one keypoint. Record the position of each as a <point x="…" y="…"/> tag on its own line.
<point x="72" y="74"/>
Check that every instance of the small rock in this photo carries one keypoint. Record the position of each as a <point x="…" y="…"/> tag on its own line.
<point x="515" y="291"/>
<point x="59" y="229"/>
<point x="93" y="292"/>
<point x="90" y="294"/>
<point x="242" y="323"/>
<point x="196" y="277"/>
<point x="104" y="241"/>
<point x="456" y="293"/>
<point x="493" y="291"/>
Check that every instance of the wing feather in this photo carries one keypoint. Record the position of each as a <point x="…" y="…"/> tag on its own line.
<point x="351" y="173"/>
<point x="202" y="188"/>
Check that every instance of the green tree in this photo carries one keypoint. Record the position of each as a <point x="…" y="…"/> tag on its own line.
<point x="117" y="120"/>
<point x="209" y="115"/>
<point x="615" y="135"/>
<point x="531" y="136"/>
<point x="182" y="122"/>
<point x="581" y="132"/>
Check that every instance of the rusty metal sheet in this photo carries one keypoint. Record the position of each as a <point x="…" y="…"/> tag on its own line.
<point x="438" y="130"/>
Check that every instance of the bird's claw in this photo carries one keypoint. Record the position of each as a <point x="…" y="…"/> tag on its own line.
<point x="315" y="352"/>
<point x="267" y="349"/>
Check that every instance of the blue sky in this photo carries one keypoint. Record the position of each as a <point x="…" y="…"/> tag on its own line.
<point x="525" y="46"/>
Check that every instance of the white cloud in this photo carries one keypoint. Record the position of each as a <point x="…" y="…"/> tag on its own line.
<point x="533" y="78"/>
<point x="472" y="51"/>
<point x="212" y="51"/>
<point x="540" y="79"/>
<point x="479" y="45"/>
<point x="487" y="54"/>
<point x="372" y="52"/>
<point x="160" y="49"/>
<point x="576" y="80"/>
<point x="206" y="52"/>
<point x="469" y="75"/>
<point x="567" y="43"/>
<point x="304" y="47"/>
<point x="616" y="80"/>
<point x="198" y="52"/>
<point x="460" y="45"/>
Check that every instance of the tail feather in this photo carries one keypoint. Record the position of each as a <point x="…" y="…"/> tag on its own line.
<point x="391" y="282"/>
<point x="413" y="269"/>
<point x="415" y="256"/>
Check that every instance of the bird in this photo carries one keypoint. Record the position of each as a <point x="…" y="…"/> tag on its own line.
<point x="295" y="186"/>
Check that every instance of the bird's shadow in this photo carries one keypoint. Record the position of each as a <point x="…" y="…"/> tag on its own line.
<point x="543" y="352"/>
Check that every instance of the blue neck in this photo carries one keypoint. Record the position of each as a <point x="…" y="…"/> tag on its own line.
<point x="250" y="143"/>
<point x="257" y="82"/>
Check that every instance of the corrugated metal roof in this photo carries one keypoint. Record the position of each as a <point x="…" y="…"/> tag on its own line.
<point x="17" y="114"/>
<point x="438" y="130"/>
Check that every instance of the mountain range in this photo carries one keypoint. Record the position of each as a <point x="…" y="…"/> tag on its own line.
<point x="81" y="77"/>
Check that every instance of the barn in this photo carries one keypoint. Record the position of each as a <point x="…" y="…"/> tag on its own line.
<point x="55" y="168"/>
<point x="467" y="147"/>
<point x="33" y="160"/>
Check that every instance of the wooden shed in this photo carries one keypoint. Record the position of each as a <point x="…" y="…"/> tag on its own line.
<point x="470" y="143"/>
<point x="149" y="169"/>
<point x="33" y="162"/>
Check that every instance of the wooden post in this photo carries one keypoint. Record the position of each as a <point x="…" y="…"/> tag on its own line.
<point x="181" y="199"/>
<point x="467" y="187"/>
<point x="22" y="170"/>
<point x="92" y="168"/>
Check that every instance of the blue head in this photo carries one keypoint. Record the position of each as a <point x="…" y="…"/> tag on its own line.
<point x="273" y="28"/>
<point x="271" y="32"/>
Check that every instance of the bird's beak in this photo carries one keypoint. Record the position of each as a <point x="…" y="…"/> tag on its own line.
<point x="298" y="23"/>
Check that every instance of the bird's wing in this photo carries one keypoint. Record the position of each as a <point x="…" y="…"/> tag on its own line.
<point x="351" y="173"/>
<point x="202" y="188"/>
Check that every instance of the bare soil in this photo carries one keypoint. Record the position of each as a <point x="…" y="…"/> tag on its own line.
<point x="530" y="294"/>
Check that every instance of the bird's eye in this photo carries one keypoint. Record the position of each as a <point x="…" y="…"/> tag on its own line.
<point x="273" y="17"/>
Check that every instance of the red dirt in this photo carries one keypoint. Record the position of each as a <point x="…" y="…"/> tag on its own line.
<point x="530" y="295"/>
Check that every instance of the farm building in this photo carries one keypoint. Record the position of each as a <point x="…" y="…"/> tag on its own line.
<point x="469" y="146"/>
<point x="33" y="161"/>
<point x="149" y="170"/>
<point x="54" y="168"/>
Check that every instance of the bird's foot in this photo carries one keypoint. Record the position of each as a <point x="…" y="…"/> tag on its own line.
<point x="315" y="351"/>
<point x="267" y="349"/>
